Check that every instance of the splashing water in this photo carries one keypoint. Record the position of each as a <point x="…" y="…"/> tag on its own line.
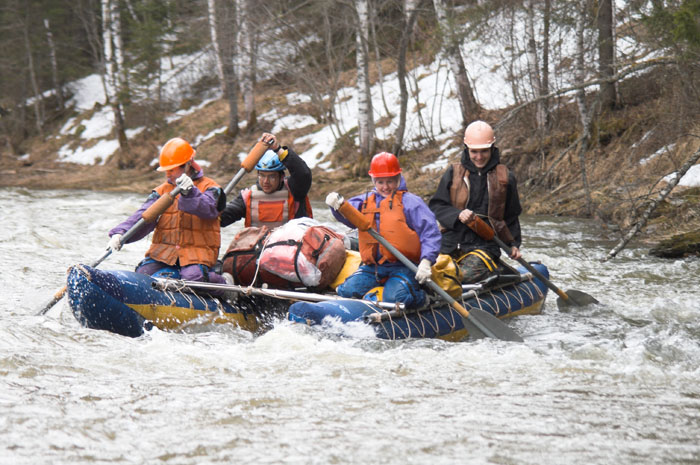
<point x="614" y="383"/>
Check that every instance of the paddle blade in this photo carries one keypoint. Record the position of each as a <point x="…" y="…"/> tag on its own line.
<point x="491" y="326"/>
<point x="576" y="299"/>
<point x="473" y="330"/>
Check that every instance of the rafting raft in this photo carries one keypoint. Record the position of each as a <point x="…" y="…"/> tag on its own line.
<point x="129" y="303"/>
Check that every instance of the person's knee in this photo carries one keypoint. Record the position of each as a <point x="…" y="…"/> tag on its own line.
<point x="404" y="289"/>
<point x="149" y="266"/>
<point x="356" y="285"/>
<point x="473" y="269"/>
<point x="193" y="273"/>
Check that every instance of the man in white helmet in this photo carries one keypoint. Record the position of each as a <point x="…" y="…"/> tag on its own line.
<point x="477" y="186"/>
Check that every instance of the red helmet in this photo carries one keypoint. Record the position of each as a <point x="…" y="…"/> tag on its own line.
<point x="384" y="165"/>
<point x="174" y="153"/>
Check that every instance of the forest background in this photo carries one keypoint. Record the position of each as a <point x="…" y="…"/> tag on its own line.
<point x="596" y="111"/>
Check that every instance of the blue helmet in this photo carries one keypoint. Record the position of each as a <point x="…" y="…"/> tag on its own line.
<point x="269" y="162"/>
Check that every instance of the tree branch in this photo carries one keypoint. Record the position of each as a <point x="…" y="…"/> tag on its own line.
<point x="594" y="82"/>
<point x="653" y="204"/>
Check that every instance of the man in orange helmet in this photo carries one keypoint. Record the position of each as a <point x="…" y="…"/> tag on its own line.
<point x="405" y="221"/>
<point x="186" y="237"/>
<point x="478" y="186"/>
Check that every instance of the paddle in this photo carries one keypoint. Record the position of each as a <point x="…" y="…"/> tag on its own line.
<point x="159" y="206"/>
<point x="474" y="319"/>
<point x="572" y="297"/>
<point x="168" y="284"/>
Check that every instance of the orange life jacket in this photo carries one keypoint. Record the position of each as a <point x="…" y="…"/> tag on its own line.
<point x="273" y="209"/>
<point x="392" y="221"/>
<point x="497" y="182"/>
<point x="183" y="236"/>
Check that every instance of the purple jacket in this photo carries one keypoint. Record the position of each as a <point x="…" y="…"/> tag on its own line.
<point x="203" y="204"/>
<point x="418" y="217"/>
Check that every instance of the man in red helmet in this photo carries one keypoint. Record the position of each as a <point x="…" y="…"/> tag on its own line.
<point x="186" y="237"/>
<point x="478" y="186"/>
<point x="405" y="221"/>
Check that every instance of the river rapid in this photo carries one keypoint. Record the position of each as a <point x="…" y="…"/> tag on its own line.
<point x="616" y="383"/>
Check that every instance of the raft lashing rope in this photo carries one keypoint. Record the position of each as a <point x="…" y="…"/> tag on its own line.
<point x="442" y="321"/>
<point x="435" y="320"/>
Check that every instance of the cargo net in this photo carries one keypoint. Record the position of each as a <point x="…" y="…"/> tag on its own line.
<point x="439" y="319"/>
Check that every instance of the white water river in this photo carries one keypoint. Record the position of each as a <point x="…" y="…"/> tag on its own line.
<point x="615" y="384"/>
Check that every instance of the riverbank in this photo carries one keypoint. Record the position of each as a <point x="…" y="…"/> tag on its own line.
<point x="631" y="151"/>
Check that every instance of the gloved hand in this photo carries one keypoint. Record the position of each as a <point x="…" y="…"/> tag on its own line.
<point x="115" y="243"/>
<point x="185" y="183"/>
<point x="423" y="274"/>
<point x="334" y="200"/>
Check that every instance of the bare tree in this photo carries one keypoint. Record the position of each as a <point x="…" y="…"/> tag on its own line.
<point x="546" y="48"/>
<point x="606" y="53"/>
<point x="451" y="42"/>
<point x="364" y="98"/>
<point x="54" y="64"/>
<point x="111" y="49"/>
<point x="651" y="206"/>
<point x="585" y="112"/>
<point x="38" y="113"/>
<point x="410" y="11"/>
<point x="248" y="47"/>
<point x="222" y="26"/>
<point x="533" y="64"/>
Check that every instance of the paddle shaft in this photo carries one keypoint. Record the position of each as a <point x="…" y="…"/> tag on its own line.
<point x="176" y="285"/>
<point x="431" y="284"/>
<point x="249" y="163"/>
<point x="378" y="317"/>
<point x="150" y="215"/>
<point x="484" y="322"/>
<point x="486" y="232"/>
<point x="159" y="206"/>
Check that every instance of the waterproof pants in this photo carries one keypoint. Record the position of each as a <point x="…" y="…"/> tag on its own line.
<point x="190" y="272"/>
<point x="399" y="283"/>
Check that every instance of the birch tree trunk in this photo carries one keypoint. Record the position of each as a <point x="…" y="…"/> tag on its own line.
<point x="211" y="8"/>
<point x="222" y="25"/>
<point x="54" y="65"/>
<point x="606" y="53"/>
<point x="451" y="49"/>
<point x="642" y="221"/>
<point x="38" y="114"/>
<point x="364" y="97"/>
<point x="378" y="60"/>
<point x="533" y="64"/>
<point x="120" y="71"/>
<point x="547" y="17"/>
<point x="248" y="47"/>
<point x="409" y="18"/>
<point x="112" y="81"/>
<point x="584" y="111"/>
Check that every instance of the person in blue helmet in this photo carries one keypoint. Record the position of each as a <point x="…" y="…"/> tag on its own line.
<point x="275" y="198"/>
<point x="405" y="221"/>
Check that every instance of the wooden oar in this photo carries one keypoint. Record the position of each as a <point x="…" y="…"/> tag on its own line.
<point x="566" y="299"/>
<point x="483" y="321"/>
<point x="178" y="284"/>
<point x="159" y="206"/>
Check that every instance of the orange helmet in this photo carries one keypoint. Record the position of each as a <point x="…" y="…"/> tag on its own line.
<point x="479" y="135"/>
<point x="384" y="165"/>
<point x="174" y="153"/>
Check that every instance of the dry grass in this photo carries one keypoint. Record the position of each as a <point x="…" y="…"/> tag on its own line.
<point x="651" y="118"/>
